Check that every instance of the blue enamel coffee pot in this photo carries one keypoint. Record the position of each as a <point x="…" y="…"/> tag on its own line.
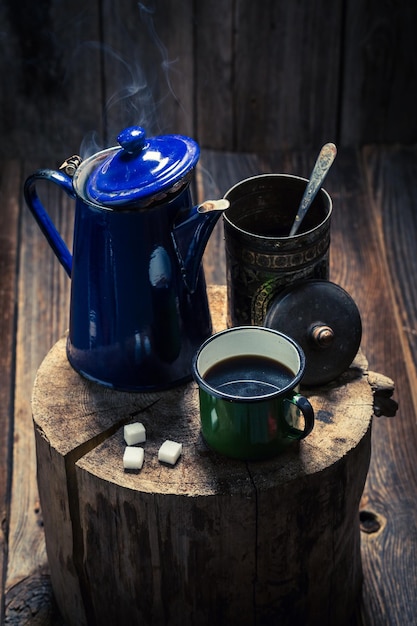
<point x="139" y="307"/>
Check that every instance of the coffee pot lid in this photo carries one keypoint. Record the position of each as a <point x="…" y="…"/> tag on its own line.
<point x="141" y="168"/>
<point x="324" y="320"/>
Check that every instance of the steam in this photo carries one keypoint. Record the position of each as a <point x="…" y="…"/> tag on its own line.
<point x="133" y="94"/>
<point x="167" y="66"/>
<point x="132" y="100"/>
<point x="131" y="104"/>
<point x="90" y="144"/>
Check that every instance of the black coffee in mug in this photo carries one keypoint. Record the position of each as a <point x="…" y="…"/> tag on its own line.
<point x="248" y="376"/>
<point x="250" y="405"/>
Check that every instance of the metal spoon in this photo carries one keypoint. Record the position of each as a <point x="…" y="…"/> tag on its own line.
<point x="324" y="160"/>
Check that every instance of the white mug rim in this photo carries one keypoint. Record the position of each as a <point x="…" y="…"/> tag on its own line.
<point x="255" y="330"/>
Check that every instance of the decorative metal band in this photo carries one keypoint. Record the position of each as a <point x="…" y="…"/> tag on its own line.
<point x="250" y="293"/>
<point x="282" y="260"/>
<point x="262" y="298"/>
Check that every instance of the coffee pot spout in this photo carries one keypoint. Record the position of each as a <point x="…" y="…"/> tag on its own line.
<point x="191" y="235"/>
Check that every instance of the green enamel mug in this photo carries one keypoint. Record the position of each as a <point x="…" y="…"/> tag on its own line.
<point x="250" y="405"/>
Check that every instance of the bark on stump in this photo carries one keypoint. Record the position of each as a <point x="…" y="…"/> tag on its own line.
<point x="210" y="540"/>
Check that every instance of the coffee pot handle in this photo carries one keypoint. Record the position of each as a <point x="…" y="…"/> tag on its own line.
<point x="39" y="212"/>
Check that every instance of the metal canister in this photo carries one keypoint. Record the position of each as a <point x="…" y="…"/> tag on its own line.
<point x="261" y="258"/>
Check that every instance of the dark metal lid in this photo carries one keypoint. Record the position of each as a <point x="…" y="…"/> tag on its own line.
<point x="324" y="320"/>
<point x="142" y="167"/>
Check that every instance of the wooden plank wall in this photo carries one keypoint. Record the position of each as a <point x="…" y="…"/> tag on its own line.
<point x="37" y="296"/>
<point x="9" y="221"/>
<point x="244" y="78"/>
<point x="237" y="75"/>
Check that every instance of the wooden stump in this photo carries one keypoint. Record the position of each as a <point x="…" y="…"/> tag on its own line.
<point x="210" y="540"/>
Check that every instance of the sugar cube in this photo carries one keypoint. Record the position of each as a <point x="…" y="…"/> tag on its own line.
<point x="134" y="433"/>
<point x="133" y="458"/>
<point x="170" y="452"/>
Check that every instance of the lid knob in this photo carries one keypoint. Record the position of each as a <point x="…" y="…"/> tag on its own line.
<point x="322" y="335"/>
<point x="132" y="139"/>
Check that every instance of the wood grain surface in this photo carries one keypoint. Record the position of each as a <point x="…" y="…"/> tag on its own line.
<point x="9" y="246"/>
<point x="367" y="254"/>
<point x="235" y="513"/>
<point x="239" y="75"/>
<point x="372" y="256"/>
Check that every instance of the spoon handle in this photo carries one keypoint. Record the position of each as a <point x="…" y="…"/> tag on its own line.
<point x="324" y="161"/>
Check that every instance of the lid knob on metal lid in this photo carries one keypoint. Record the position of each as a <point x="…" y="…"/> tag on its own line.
<point x="132" y="139"/>
<point x="325" y="322"/>
<point x="322" y="334"/>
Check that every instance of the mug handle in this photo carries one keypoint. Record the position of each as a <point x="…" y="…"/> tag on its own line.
<point x="44" y="221"/>
<point x="308" y="412"/>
